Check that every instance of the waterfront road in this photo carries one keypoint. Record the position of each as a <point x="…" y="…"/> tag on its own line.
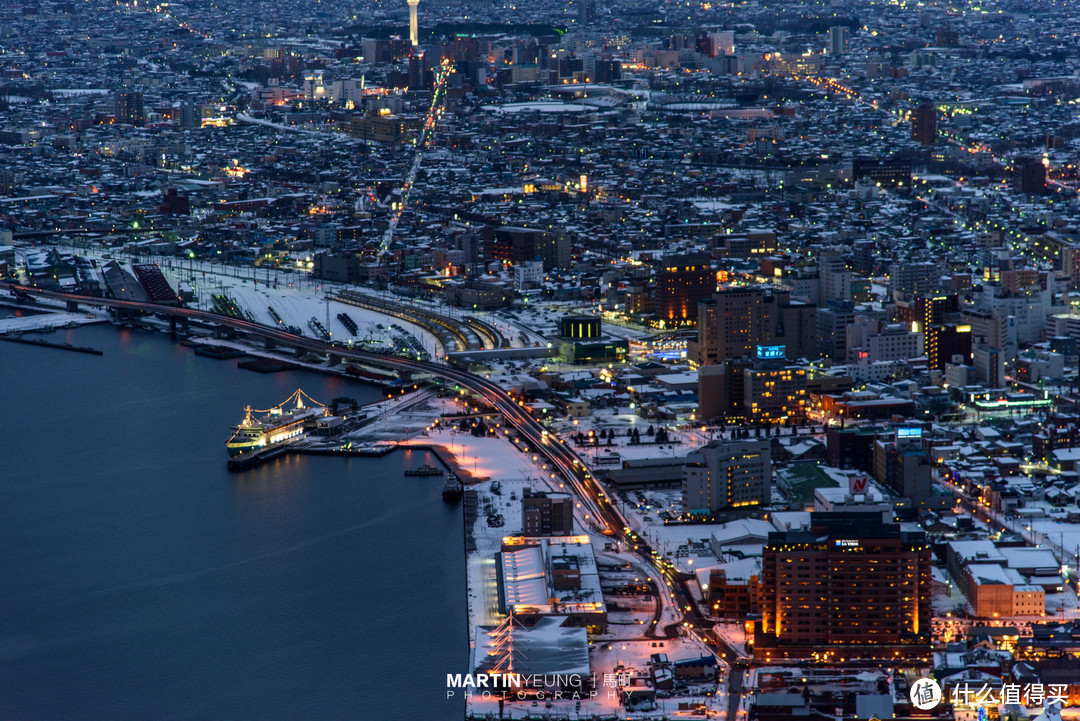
<point x="597" y="508"/>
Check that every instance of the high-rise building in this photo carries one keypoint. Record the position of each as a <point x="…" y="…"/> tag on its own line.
<point x="832" y="323"/>
<point x="913" y="278"/>
<point x="729" y="324"/>
<point x="7" y="181"/>
<point x="723" y="42"/>
<point x="608" y="71"/>
<point x="189" y="116"/>
<point x="129" y="108"/>
<point x="862" y="256"/>
<point x="682" y="282"/>
<point x="953" y="345"/>
<point x="796" y="329"/>
<point x="774" y="393"/>
<point x="547" y="514"/>
<point x="988" y="327"/>
<point x="835" y="278"/>
<point x="871" y="340"/>
<point x="421" y="74"/>
<point x="569" y="66"/>
<point x="924" y="124"/>
<point x="924" y="310"/>
<point x="586" y="11"/>
<point x="720" y="390"/>
<point x="989" y="364"/>
<point x="712" y="392"/>
<point x="838" y="40"/>
<point x="461" y="49"/>
<point x="1029" y="176"/>
<point x="553" y="248"/>
<point x="514" y="245"/>
<point x="947" y="38"/>
<point x="846" y="587"/>
<point x="385" y="50"/>
<point x="935" y="318"/>
<point x="731" y="599"/>
<point x="704" y="44"/>
<point x="903" y="465"/>
<point x="737" y="319"/>
<point x="713" y="43"/>
<point x="727" y="474"/>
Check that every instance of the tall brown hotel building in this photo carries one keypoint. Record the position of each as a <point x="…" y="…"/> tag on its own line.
<point x="850" y="588"/>
<point x="680" y="284"/>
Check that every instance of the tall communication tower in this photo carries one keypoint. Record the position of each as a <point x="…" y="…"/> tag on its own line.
<point x="413" y="34"/>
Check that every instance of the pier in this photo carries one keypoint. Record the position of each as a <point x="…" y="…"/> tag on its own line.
<point x="40" y="342"/>
<point x="447" y="459"/>
<point x="307" y="447"/>
<point x="302" y="448"/>
<point x="267" y="365"/>
<point x="220" y="352"/>
<point x="424" y="470"/>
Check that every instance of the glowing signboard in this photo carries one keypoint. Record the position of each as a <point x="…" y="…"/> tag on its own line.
<point x="909" y="432"/>
<point x="770" y="351"/>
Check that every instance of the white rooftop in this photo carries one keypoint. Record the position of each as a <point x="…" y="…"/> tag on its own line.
<point x="524" y="580"/>
<point x="547" y="648"/>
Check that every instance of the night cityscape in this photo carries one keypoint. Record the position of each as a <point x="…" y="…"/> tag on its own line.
<point x="443" y="359"/>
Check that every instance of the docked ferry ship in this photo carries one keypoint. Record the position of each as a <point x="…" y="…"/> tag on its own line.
<point x="279" y="424"/>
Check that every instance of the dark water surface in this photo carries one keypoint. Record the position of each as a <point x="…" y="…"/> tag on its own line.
<point x="141" y="580"/>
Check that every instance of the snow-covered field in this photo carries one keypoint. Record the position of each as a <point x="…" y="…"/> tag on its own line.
<point x="296" y="300"/>
<point x="43" y="321"/>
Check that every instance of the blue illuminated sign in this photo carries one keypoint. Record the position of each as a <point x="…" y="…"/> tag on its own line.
<point x="909" y="432"/>
<point x="770" y="351"/>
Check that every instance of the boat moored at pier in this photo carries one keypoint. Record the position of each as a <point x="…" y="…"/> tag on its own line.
<point x="424" y="470"/>
<point x="282" y="423"/>
<point x="452" y="489"/>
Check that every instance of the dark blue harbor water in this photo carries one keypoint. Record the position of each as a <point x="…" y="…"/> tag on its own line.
<point x="141" y="580"/>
